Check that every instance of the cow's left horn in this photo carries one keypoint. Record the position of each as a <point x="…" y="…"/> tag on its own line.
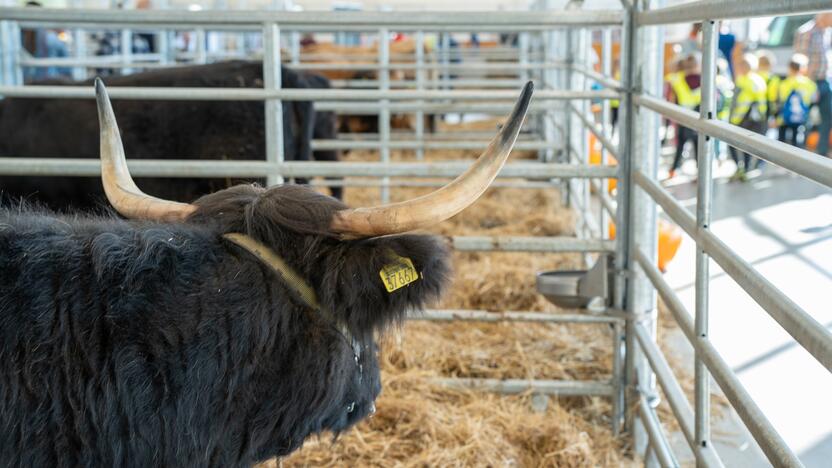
<point x="122" y="192"/>
<point x="441" y="204"/>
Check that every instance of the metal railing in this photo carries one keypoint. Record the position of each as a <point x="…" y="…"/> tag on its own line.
<point x="645" y="361"/>
<point x="553" y="52"/>
<point x="436" y="91"/>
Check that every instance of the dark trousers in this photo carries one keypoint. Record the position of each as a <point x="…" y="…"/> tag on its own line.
<point x="825" y="108"/>
<point x="684" y="135"/>
<point x="791" y="134"/>
<point x="747" y="159"/>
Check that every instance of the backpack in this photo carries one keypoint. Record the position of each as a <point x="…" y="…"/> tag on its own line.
<point x="795" y="110"/>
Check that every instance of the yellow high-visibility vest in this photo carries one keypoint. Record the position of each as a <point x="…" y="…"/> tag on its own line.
<point x="685" y="97"/>
<point x="803" y="85"/>
<point x="725" y="88"/>
<point x="750" y="90"/>
<point x="615" y="103"/>
<point x="772" y="85"/>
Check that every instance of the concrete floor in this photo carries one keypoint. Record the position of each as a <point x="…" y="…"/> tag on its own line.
<point x="782" y="225"/>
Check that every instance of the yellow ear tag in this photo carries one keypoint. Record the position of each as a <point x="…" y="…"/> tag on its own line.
<point x="398" y="274"/>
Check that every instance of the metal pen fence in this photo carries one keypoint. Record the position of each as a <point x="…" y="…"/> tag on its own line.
<point x="440" y="87"/>
<point x="553" y="50"/>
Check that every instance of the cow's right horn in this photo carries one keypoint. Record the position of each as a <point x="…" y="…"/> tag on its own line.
<point x="443" y="203"/>
<point x="122" y="192"/>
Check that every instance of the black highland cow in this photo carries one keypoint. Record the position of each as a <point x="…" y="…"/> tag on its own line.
<point x="219" y="333"/>
<point x="65" y="128"/>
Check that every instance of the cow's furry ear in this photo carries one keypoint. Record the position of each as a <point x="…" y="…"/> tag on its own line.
<point x="352" y="287"/>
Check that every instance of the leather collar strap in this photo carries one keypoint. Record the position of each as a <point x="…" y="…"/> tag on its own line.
<point x="267" y="256"/>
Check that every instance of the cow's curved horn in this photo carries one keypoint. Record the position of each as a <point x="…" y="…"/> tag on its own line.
<point x="445" y="202"/>
<point x="122" y="192"/>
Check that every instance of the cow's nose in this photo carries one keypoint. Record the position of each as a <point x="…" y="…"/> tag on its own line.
<point x="372" y="409"/>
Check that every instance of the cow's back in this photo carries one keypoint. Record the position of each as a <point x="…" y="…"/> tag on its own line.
<point x="151" y="129"/>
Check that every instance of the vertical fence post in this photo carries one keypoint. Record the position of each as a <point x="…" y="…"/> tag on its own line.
<point x="126" y="50"/>
<point x="603" y="221"/>
<point x="384" y="112"/>
<point x="294" y="47"/>
<point x="420" y="85"/>
<point x="79" y="40"/>
<point x="446" y="59"/>
<point x="201" y="54"/>
<point x="624" y="186"/>
<point x="646" y="77"/>
<point x="5" y="54"/>
<point x="705" y="148"/>
<point x="274" y="107"/>
<point x="15" y="49"/>
<point x="552" y="51"/>
<point x="523" y="45"/>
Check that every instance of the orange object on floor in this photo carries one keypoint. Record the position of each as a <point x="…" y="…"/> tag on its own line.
<point x="670" y="238"/>
<point x="812" y="140"/>
<point x="595" y="160"/>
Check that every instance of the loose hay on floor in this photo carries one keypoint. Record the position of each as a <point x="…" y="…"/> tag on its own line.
<point x="422" y="424"/>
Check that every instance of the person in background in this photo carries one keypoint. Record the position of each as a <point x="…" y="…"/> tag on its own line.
<point x="727" y="43"/>
<point x="44" y="43"/>
<point x="685" y="90"/>
<point x="813" y="41"/>
<point x="767" y="61"/>
<point x="724" y="99"/>
<point x="692" y="43"/>
<point x="749" y="108"/>
<point x="794" y="97"/>
<point x="146" y="42"/>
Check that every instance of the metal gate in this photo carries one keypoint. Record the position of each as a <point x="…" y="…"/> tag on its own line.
<point x="553" y="48"/>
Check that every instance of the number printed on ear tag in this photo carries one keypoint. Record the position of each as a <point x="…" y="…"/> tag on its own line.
<point x="398" y="274"/>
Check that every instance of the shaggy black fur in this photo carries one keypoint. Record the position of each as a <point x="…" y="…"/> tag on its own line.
<point x="67" y="128"/>
<point x="149" y="344"/>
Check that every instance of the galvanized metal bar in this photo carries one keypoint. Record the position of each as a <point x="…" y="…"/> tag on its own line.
<point x="458" y="83"/>
<point x="363" y="182"/>
<point x="126" y="50"/>
<point x="642" y="216"/>
<point x="813" y="336"/>
<point x="201" y="56"/>
<point x="670" y="385"/>
<point x="445" y="59"/>
<point x="348" y="143"/>
<point x="606" y="201"/>
<point x="658" y="440"/>
<point x="705" y="10"/>
<point x="384" y="115"/>
<point x="775" y="448"/>
<point x="79" y="49"/>
<point x="516" y="386"/>
<point x="598" y="132"/>
<point x="523" y="59"/>
<point x="603" y="79"/>
<point x="529" y="244"/>
<point x="606" y="131"/>
<point x="5" y="54"/>
<point x="420" y="86"/>
<point x="78" y="167"/>
<point x="295" y="48"/>
<point x="145" y="60"/>
<point x="807" y="164"/>
<point x="373" y="108"/>
<point x="254" y="94"/>
<point x="324" y="21"/>
<point x="705" y="158"/>
<point x="273" y="107"/>
<point x="455" y="67"/>
<point x="451" y="315"/>
<point x="246" y="27"/>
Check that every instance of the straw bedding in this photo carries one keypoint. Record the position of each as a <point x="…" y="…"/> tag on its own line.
<point x="422" y="424"/>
